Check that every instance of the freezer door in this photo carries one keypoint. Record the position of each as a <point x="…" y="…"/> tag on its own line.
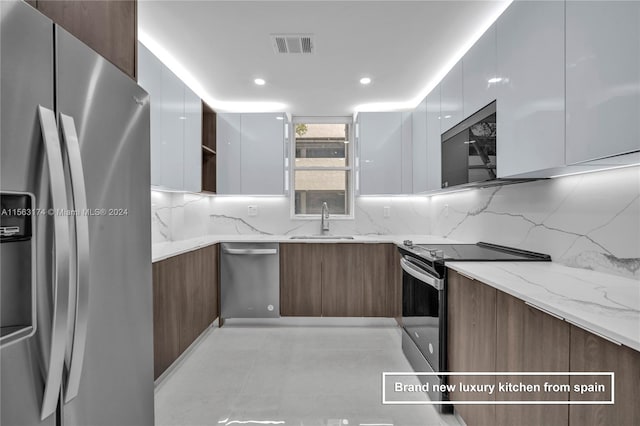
<point x="26" y="68"/>
<point x="108" y="113"/>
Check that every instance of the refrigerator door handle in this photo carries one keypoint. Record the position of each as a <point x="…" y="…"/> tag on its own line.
<point x="72" y="148"/>
<point x="55" y="360"/>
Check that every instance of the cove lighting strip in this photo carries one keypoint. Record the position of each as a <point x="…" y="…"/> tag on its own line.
<point x="412" y="103"/>
<point x="192" y="82"/>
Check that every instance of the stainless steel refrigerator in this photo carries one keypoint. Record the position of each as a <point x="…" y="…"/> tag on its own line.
<point x="75" y="244"/>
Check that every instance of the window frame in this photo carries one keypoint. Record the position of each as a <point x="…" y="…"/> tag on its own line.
<point x="349" y="169"/>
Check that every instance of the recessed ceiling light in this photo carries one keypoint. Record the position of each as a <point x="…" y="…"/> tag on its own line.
<point x="279" y="117"/>
<point x="259" y="81"/>
<point x="365" y="80"/>
<point x="494" y="80"/>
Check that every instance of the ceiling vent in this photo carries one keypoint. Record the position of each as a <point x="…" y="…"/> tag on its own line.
<point x="293" y="43"/>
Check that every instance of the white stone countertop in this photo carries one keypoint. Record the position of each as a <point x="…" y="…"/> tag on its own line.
<point x="160" y="251"/>
<point x="603" y="304"/>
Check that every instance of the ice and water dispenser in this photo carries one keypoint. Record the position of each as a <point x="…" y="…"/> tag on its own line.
<point x="17" y="266"/>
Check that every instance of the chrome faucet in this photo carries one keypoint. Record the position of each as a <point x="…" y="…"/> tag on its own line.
<point x="324" y="222"/>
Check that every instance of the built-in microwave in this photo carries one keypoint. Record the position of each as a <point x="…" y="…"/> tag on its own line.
<point x="469" y="149"/>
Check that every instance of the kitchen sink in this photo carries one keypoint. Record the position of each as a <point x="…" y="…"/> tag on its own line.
<point x="321" y="237"/>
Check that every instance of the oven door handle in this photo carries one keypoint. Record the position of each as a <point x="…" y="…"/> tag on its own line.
<point x="421" y="275"/>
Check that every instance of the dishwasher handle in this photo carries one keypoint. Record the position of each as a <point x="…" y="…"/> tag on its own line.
<point x="249" y="251"/>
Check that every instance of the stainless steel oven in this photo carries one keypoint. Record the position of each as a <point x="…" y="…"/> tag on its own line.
<point x="424" y="302"/>
<point x="424" y="316"/>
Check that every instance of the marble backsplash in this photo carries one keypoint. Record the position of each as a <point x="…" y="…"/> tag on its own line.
<point x="589" y="221"/>
<point x="178" y="216"/>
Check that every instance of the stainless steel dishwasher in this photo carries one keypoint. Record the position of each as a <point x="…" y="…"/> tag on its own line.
<point x="249" y="280"/>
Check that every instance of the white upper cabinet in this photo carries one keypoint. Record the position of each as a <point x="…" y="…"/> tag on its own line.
<point x="150" y="79"/>
<point x="383" y="136"/>
<point x="407" y="153"/>
<point x="250" y="153"/>
<point x="451" y="98"/>
<point x="176" y="126"/>
<point x="380" y="145"/>
<point x="192" y="141"/>
<point x="419" y="146"/>
<point x="287" y="153"/>
<point x="479" y="71"/>
<point x="434" y="140"/>
<point x="172" y="116"/>
<point x="262" y="153"/>
<point x="603" y="79"/>
<point x="530" y="101"/>
<point x="228" y="175"/>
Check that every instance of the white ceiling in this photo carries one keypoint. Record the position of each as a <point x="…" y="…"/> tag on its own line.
<point x="219" y="47"/>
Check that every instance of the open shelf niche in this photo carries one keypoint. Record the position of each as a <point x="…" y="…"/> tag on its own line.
<point x="208" y="149"/>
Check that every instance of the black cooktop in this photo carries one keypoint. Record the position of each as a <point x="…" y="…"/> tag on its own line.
<point x="480" y="252"/>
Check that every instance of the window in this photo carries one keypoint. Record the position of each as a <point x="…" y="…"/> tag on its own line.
<point x="322" y="166"/>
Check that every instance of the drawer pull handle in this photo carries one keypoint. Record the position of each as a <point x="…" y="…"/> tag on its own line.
<point x="544" y="311"/>
<point x="615" y="342"/>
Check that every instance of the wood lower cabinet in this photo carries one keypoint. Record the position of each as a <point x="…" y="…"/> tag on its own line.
<point x="185" y="302"/>
<point x="343" y="279"/>
<point x="592" y="353"/>
<point x="300" y="280"/>
<point x="396" y="276"/>
<point x="382" y="281"/>
<point x="191" y="297"/>
<point x="490" y="330"/>
<point x="210" y="282"/>
<point x="166" y="313"/>
<point x="108" y="27"/>
<point x="377" y="291"/>
<point x="472" y="342"/>
<point x="198" y="293"/>
<point x="530" y="340"/>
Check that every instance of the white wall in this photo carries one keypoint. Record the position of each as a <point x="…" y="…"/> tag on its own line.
<point x="588" y="221"/>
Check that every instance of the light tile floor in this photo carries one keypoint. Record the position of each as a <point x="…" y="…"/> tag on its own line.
<point x="290" y="375"/>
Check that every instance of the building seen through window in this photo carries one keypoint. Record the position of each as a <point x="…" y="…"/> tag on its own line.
<point x="322" y="169"/>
